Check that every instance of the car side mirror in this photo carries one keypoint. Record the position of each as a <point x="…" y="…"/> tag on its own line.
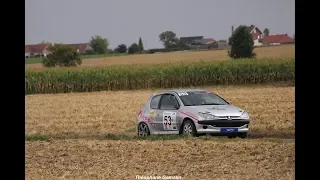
<point x="176" y="106"/>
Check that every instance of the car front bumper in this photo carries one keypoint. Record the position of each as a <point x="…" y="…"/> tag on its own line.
<point x="215" y="126"/>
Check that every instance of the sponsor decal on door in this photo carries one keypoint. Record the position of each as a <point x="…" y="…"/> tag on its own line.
<point x="169" y="120"/>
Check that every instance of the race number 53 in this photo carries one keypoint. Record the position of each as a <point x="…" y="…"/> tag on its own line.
<point x="169" y="120"/>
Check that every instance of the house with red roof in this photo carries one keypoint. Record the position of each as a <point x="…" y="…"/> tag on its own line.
<point x="80" y="47"/>
<point x="256" y="34"/>
<point x="40" y="50"/>
<point x="36" y="50"/>
<point x="278" y="39"/>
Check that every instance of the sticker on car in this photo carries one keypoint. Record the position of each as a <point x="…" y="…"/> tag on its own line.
<point x="151" y="113"/>
<point x="169" y="120"/>
<point x="183" y="94"/>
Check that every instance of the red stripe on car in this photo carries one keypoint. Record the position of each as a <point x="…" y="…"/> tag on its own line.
<point x="190" y="115"/>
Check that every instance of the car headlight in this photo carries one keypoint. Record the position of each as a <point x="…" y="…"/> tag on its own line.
<point x="208" y="116"/>
<point x="244" y="115"/>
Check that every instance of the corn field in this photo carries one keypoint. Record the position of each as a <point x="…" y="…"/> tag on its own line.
<point x="178" y="75"/>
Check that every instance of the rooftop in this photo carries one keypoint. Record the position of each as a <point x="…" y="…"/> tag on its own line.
<point x="185" y="90"/>
<point x="279" y="38"/>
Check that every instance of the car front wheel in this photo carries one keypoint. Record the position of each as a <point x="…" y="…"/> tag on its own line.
<point x="143" y="129"/>
<point x="189" y="129"/>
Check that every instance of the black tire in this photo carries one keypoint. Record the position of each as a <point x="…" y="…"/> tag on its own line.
<point x="188" y="129"/>
<point x="243" y="135"/>
<point x="143" y="129"/>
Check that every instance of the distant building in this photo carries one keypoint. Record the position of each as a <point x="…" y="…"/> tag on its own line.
<point x="36" y="50"/>
<point x="190" y="40"/>
<point x="198" y="42"/>
<point x="278" y="39"/>
<point x="40" y="50"/>
<point x="223" y="44"/>
<point x="80" y="48"/>
<point x="259" y="39"/>
<point x="256" y="34"/>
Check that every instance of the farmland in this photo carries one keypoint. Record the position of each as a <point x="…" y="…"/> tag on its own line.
<point x="85" y="127"/>
<point x="78" y="125"/>
<point x="190" y="159"/>
<point x="283" y="51"/>
<point x="63" y="80"/>
<point x="96" y="114"/>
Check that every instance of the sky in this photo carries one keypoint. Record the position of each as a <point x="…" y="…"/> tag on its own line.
<point x="124" y="21"/>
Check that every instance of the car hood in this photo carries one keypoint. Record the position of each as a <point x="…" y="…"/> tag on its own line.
<point x="217" y="110"/>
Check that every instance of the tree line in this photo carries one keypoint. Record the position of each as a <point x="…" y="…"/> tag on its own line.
<point x="241" y="43"/>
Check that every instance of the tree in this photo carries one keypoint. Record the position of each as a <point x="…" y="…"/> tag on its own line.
<point x="46" y="42"/>
<point x="110" y="51"/>
<point x="61" y="55"/>
<point x="90" y="52"/>
<point x="241" y="44"/>
<point x="180" y="44"/>
<point x="122" y="48"/>
<point x="134" y="48"/>
<point x="140" y="45"/>
<point x="266" y="32"/>
<point x="169" y="39"/>
<point x="294" y="36"/>
<point x="99" y="45"/>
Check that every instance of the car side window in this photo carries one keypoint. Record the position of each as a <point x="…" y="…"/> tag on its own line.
<point x="155" y="102"/>
<point x="168" y="102"/>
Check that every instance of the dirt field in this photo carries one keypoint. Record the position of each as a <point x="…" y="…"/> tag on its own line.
<point x="78" y="148"/>
<point x="283" y="51"/>
<point x="190" y="159"/>
<point x="92" y="114"/>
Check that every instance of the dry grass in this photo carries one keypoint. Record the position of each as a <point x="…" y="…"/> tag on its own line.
<point x="283" y="51"/>
<point x="190" y="159"/>
<point x="90" y="114"/>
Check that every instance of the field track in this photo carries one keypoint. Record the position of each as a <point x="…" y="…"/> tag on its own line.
<point x="190" y="159"/>
<point x="283" y="51"/>
<point x="96" y="114"/>
<point x="92" y="136"/>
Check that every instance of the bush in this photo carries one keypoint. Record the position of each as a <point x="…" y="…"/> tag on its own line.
<point x="134" y="48"/>
<point x="122" y="48"/>
<point x="90" y="52"/>
<point x="61" y="55"/>
<point x="241" y="44"/>
<point x="64" y="80"/>
<point x="99" y="44"/>
<point x="110" y="51"/>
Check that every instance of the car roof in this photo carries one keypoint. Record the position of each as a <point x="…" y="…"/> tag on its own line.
<point x="180" y="91"/>
<point x="185" y="90"/>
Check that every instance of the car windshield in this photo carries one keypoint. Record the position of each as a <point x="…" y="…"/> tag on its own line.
<point x="201" y="98"/>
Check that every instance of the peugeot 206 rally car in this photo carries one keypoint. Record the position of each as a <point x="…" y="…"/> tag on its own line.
<point x="191" y="113"/>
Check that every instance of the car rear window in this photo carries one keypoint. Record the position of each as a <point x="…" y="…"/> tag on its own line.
<point x="155" y="102"/>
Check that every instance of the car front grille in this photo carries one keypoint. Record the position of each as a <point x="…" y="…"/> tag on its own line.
<point x="226" y="117"/>
<point x="230" y="124"/>
<point x="224" y="123"/>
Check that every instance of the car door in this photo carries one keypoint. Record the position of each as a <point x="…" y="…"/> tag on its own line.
<point x="167" y="114"/>
<point x="153" y="113"/>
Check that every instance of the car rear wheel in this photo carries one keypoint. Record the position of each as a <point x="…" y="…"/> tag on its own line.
<point x="143" y="129"/>
<point x="188" y="128"/>
<point x="243" y="135"/>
